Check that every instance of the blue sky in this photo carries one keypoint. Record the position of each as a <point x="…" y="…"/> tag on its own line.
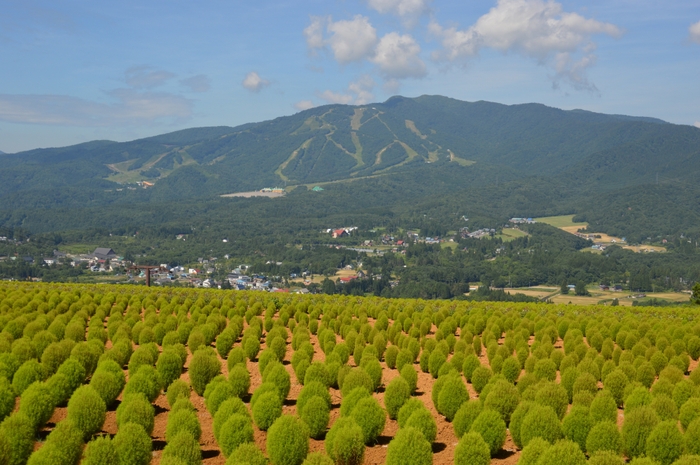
<point x="74" y="70"/>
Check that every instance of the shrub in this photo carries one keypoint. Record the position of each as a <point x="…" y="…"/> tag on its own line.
<point x="576" y="425"/>
<point x="409" y="447"/>
<point x="317" y="371"/>
<point x="390" y="356"/>
<point x="145" y="381"/>
<point x="692" y="438"/>
<point x="492" y="428"/>
<point x="605" y="458"/>
<point x="267" y="408"/>
<point x="182" y="449"/>
<point x="169" y="366"/>
<point x="511" y="369"/>
<point x="435" y="362"/>
<point x="278" y="375"/>
<point x="603" y="408"/>
<point x="135" y="408"/>
<point x="370" y="416"/>
<point x="345" y="442"/>
<point x="664" y="407"/>
<point x="251" y="346"/>
<point x="357" y="377"/>
<point x="100" y="451"/>
<point x="545" y="369"/>
<point x="604" y="436"/>
<point x="615" y="383"/>
<point x="636" y="429"/>
<point x="86" y="355"/>
<point x="312" y="389"/>
<point x="465" y="416"/>
<point x="107" y="384"/>
<point x="412" y="405"/>
<point x="688" y="460"/>
<point x="423" y="421"/>
<point x="203" y="367"/>
<point x="218" y="395"/>
<point x="239" y="379"/>
<point x="87" y="410"/>
<point x="182" y="420"/>
<point x="480" y="378"/>
<point x="682" y="391"/>
<point x="287" y="441"/>
<point x="316" y="414"/>
<point x="638" y="397"/>
<point x="541" y="421"/>
<point x="553" y="395"/>
<point x="247" y="453"/>
<point x="471" y="363"/>
<point x="60" y="388"/>
<point x="232" y="406"/>
<point x="63" y="445"/>
<point x="235" y="357"/>
<point x="533" y="451"/>
<point x="665" y="443"/>
<point x="404" y="358"/>
<point x="452" y="395"/>
<point x="689" y="412"/>
<point x="225" y="341"/>
<point x="29" y="372"/>
<point x="504" y="398"/>
<point x="133" y="445"/>
<point x="7" y="398"/>
<point x="18" y="430"/>
<point x="396" y="394"/>
<point x="516" y="421"/>
<point x="472" y="450"/>
<point x="235" y="431"/>
<point x="37" y="403"/>
<point x="564" y="452"/>
<point x="409" y="374"/>
<point x="177" y="389"/>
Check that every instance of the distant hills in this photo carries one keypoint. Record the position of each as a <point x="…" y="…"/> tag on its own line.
<point x="571" y="158"/>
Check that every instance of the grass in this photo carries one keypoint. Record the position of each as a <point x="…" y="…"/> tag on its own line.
<point x="509" y="234"/>
<point x="563" y="221"/>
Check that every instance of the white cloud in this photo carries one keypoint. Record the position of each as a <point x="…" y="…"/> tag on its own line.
<point x="304" y="105"/>
<point x="130" y="107"/>
<point x="397" y="57"/>
<point x="254" y="83"/>
<point x="694" y="31"/>
<point x="145" y="77"/>
<point x="199" y="83"/>
<point x="539" y="29"/>
<point x="409" y="10"/>
<point x="697" y="124"/>
<point x="359" y="92"/>
<point x="349" y="40"/>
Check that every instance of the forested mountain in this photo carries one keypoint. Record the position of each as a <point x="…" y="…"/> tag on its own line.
<point x="628" y="175"/>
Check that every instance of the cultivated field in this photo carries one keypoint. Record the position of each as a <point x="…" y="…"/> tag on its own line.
<point x="129" y="375"/>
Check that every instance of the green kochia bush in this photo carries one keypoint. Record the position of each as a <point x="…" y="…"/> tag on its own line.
<point x="692" y="437"/>
<point x="466" y="415"/>
<point x="182" y="420"/>
<point x="133" y="445"/>
<point x="396" y="394"/>
<point x="665" y="443"/>
<point x="278" y="375"/>
<point x="37" y="403"/>
<point x="7" y="398"/>
<point x="541" y="421"/>
<point x="423" y="421"/>
<point x="356" y="378"/>
<point x="316" y="415"/>
<point x="267" y="408"/>
<point x="182" y="449"/>
<point x="604" y="436"/>
<point x="533" y="451"/>
<point x="563" y="452"/>
<point x="452" y="395"/>
<point x="287" y="441"/>
<point x="636" y="428"/>
<point x="248" y="453"/>
<point x="87" y="410"/>
<point x="409" y="446"/>
<point x="101" y="451"/>
<point x="576" y="425"/>
<point x="472" y="450"/>
<point x="29" y="372"/>
<point x="312" y="389"/>
<point x="18" y="430"/>
<point x="235" y="431"/>
<point x="203" y="367"/>
<point x="492" y="428"/>
<point x="239" y="379"/>
<point x="345" y="442"/>
<point x="135" y="408"/>
<point x="63" y="445"/>
<point x="605" y="458"/>
<point x="232" y="406"/>
<point x="107" y="384"/>
<point x="169" y="366"/>
<point x="176" y="390"/>
<point x="145" y="381"/>
<point x="371" y="418"/>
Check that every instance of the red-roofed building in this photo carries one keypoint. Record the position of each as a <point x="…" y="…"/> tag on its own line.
<point x="339" y="233"/>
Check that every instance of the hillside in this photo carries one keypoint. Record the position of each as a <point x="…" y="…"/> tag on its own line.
<point x="433" y="151"/>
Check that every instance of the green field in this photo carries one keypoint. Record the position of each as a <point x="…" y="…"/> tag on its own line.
<point x="562" y="221"/>
<point x="509" y="234"/>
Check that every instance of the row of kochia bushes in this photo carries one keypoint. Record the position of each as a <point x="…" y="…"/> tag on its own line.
<point x="626" y="355"/>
